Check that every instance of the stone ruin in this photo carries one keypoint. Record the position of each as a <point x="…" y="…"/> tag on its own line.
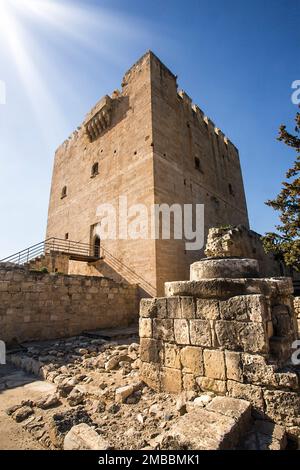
<point x="227" y="331"/>
<point x="213" y="370"/>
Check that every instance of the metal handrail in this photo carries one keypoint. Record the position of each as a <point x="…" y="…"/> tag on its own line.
<point x="60" y="245"/>
<point x="47" y="246"/>
<point x="140" y="280"/>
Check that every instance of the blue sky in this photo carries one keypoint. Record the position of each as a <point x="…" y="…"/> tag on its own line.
<point x="236" y="59"/>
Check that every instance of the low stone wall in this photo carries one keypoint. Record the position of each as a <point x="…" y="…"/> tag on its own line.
<point x="37" y="306"/>
<point x="210" y="339"/>
<point x="297" y="311"/>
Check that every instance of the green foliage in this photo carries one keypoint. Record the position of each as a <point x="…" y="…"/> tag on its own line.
<point x="44" y="270"/>
<point x="286" y="242"/>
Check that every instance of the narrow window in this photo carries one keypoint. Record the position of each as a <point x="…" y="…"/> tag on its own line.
<point x="197" y="164"/>
<point x="66" y="236"/>
<point x="63" y="192"/>
<point x="95" y="170"/>
<point x="231" y="192"/>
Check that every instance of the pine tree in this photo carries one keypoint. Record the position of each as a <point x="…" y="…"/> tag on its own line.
<point x="286" y="243"/>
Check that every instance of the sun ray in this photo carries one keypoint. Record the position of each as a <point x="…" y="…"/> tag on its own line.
<point x="77" y="29"/>
<point x="39" y="96"/>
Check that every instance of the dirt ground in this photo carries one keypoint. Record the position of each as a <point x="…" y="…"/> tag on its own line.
<point x="12" y="435"/>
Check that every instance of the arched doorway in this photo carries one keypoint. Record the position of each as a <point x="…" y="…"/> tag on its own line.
<point x="97" y="246"/>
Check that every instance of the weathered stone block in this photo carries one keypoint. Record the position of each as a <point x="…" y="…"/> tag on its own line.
<point x="150" y="374"/>
<point x="147" y="308"/>
<point x="288" y="380"/>
<point x="253" y="337"/>
<point x="256" y="371"/>
<point x="245" y="308"/>
<point x="173" y="307"/>
<point x="153" y="308"/>
<point x="181" y="331"/>
<point x="212" y="385"/>
<point x="248" y="392"/>
<point x="207" y="309"/>
<point x="234" y="368"/>
<point x="171" y="380"/>
<point x="239" y="410"/>
<point x="122" y="393"/>
<point x="214" y="364"/>
<point x="259" y="309"/>
<point x="189" y="382"/>
<point x="163" y="329"/>
<point x="227" y="334"/>
<point x="84" y="437"/>
<point x="149" y="350"/>
<point x="192" y="360"/>
<point x="200" y="333"/>
<point x="172" y="356"/>
<point x="202" y="430"/>
<point x="188" y="307"/>
<point x="283" y="407"/>
<point x="161" y="307"/>
<point x="145" y="327"/>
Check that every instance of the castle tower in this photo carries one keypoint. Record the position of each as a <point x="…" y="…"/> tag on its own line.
<point x="151" y="145"/>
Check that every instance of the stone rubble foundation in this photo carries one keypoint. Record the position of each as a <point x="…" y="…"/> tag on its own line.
<point x="230" y="336"/>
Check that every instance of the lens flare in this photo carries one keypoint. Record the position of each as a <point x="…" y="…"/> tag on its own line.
<point x="76" y="27"/>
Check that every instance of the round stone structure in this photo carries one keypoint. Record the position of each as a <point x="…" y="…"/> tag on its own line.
<point x="232" y="268"/>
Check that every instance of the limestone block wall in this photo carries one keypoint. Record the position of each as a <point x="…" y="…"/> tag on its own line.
<point x="38" y="306"/>
<point x="236" y="345"/>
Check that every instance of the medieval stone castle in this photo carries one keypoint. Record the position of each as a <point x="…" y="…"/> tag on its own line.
<point x="149" y="143"/>
<point x="220" y="331"/>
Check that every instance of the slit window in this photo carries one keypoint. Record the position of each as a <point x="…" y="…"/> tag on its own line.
<point x="197" y="164"/>
<point x="63" y="192"/>
<point x="95" y="170"/>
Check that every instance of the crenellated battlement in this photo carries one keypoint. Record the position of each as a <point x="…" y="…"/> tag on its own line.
<point x="187" y="101"/>
<point x="98" y="118"/>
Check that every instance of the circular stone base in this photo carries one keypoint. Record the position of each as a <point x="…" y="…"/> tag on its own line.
<point x="232" y="268"/>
